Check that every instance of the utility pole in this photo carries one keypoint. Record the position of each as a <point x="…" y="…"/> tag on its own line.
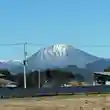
<point x="25" y="62"/>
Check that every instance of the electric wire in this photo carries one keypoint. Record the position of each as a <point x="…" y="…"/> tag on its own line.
<point x="36" y="44"/>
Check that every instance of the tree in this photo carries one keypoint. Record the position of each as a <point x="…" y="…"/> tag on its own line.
<point x="5" y="72"/>
<point x="107" y="69"/>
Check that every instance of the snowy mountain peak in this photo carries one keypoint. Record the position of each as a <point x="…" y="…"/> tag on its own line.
<point x="61" y="49"/>
<point x="59" y="46"/>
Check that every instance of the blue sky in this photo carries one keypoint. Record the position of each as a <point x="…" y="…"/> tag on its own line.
<point x="46" y="22"/>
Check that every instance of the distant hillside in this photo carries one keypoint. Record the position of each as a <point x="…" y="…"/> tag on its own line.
<point x="12" y="65"/>
<point x="98" y="65"/>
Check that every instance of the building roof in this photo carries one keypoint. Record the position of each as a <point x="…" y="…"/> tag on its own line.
<point x="4" y="81"/>
<point x="102" y="73"/>
<point x="2" y="74"/>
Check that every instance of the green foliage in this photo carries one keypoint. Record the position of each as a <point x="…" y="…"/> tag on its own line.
<point x="107" y="69"/>
<point x="60" y="76"/>
<point x="5" y="72"/>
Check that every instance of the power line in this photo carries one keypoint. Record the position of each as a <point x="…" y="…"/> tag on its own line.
<point x="13" y="44"/>
<point x="96" y="45"/>
<point x="36" y="44"/>
<point x="93" y="45"/>
<point x="16" y="44"/>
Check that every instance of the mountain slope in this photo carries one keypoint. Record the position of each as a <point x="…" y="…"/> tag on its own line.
<point x="98" y="65"/>
<point x="59" y="55"/>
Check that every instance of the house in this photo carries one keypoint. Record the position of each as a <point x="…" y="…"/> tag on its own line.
<point x="102" y="78"/>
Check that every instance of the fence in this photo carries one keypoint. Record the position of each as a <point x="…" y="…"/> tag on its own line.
<point x="34" y="92"/>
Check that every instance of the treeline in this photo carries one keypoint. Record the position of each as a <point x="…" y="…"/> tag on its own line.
<point x="32" y="77"/>
<point x="107" y="69"/>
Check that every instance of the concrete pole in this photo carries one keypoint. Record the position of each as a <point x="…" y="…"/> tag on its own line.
<point x="25" y="61"/>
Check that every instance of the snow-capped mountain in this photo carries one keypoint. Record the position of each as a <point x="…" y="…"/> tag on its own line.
<point x="10" y="64"/>
<point x="59" y="55"/>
